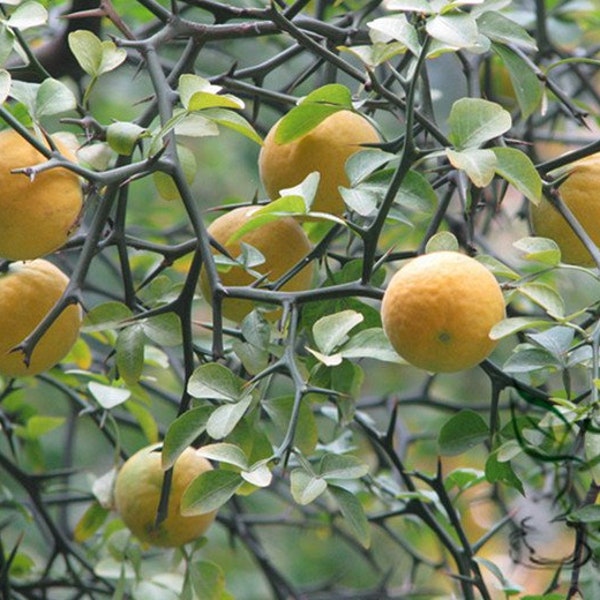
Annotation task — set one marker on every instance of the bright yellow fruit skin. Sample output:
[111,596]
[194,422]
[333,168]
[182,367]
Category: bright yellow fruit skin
[325,149]
[438,310]
[28,291]
[137,494]
[580,193]
[282,242]
[36,217]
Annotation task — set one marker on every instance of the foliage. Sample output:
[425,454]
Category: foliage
[341,472]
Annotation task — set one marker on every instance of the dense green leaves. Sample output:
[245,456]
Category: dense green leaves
[314,108]
[462,432]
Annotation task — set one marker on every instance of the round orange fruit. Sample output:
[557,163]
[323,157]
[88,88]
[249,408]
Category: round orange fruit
[324,149]
[438,311]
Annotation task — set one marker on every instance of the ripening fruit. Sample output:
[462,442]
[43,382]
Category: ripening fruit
[438,311]
[137,494]
[580,193]
[36,216]
[28,291]
[283,244]
[325,149]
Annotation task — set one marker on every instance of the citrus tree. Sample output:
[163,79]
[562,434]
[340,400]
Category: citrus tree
[299,299]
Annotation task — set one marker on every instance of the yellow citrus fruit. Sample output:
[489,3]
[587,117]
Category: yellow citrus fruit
[28,291]
[137,494]
[579,192]
[282,243]
[438,310]
[37,215]
[325,149]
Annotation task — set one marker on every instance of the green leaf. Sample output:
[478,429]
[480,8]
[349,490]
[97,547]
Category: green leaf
[370,343]
[514,325]
[225,453]
[396,28]
[502,472]
[463,478]
[207,579]
[190,84]
[107,396]
[232,120]
[442,241]
[130,353]
[545,296]
[454,30]
[314,108]
[204,100]
[163,329]
[48,98]
[332,93]
[376,53]
[479,165]
[94,56]
[539,249]
[145,419]
[27,15]
[497,267]
[592,454]
[516,167]
[509,588]
[53,97]
[122,136]
[342,466]
[306,487]
[301,120]
[420,6]
[528,359]
[108,315]
[7,40]
[416,194]
[363,163]
[258,474]
[544,597]
[463,431]
[503,30]
[528,88]
[586,514]
[224,418]
[182,432]
[557,340]
[37,426]
[209,491]
[193,125]
[90,522]
[508,450]
[331,331]
[217,382]
[280,411]
[474,122]
[286,205]
[353,513]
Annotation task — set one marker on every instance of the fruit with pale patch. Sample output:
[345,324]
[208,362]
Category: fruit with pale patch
[137,494]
